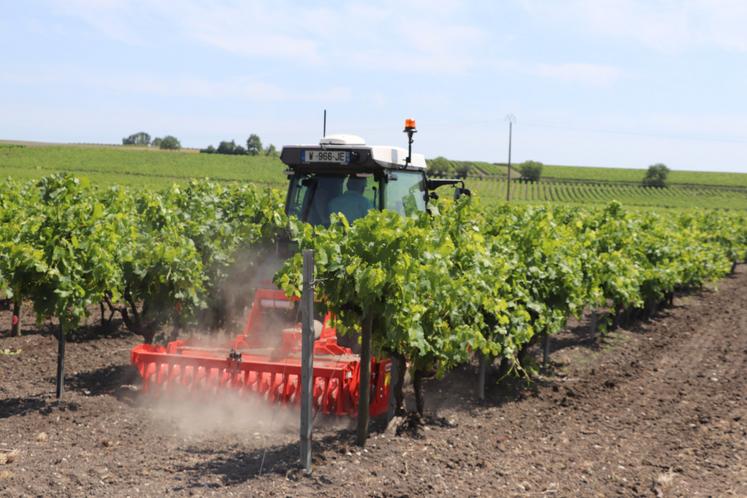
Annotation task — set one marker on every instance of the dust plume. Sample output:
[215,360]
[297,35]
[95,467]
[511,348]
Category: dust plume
[224,414]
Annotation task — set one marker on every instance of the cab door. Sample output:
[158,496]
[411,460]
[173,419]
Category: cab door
[405,192]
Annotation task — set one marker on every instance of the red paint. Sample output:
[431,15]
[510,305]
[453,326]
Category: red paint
[272,372]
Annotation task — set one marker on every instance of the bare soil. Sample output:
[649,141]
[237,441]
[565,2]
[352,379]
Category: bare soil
[659,409]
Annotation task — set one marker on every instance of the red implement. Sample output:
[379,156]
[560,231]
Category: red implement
[265,360]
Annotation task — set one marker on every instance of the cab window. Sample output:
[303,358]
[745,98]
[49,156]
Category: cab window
[405,193]
[313,198]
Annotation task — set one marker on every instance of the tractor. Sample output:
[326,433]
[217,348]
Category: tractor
[340,174]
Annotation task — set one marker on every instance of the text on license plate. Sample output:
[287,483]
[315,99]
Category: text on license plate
[326,156]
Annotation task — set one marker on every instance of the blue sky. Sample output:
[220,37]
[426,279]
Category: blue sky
[604,83]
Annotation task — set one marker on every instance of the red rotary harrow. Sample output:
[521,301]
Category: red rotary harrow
[265,361]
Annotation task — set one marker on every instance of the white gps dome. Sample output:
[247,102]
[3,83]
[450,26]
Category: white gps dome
[342,139]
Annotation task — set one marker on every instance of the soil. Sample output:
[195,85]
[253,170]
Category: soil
[658,409]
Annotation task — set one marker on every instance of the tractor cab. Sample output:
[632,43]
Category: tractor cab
[342,174]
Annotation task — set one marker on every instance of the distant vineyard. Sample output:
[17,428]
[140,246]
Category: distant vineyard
[155,169]
[601,193]
[627,175]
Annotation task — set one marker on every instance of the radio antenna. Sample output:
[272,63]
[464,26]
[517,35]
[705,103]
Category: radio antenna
[324,126]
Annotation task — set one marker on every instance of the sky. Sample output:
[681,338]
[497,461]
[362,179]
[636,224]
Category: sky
[624,83]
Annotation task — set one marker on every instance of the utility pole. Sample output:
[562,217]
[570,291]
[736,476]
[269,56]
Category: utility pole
[511,120]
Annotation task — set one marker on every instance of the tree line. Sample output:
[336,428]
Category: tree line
[531,171]
[440,166]
[253,148]
[143,139]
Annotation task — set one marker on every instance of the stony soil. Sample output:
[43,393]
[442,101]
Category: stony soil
[659,409]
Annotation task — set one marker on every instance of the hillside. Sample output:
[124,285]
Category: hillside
[596,174]
[153,168]
[136,166]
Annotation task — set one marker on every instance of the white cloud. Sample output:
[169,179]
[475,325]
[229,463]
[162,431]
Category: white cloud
[387,35]
[664,25]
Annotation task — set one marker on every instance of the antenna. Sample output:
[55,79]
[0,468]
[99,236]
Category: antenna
[324,126]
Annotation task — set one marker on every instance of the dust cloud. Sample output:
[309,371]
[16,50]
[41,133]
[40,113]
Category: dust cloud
[224,414]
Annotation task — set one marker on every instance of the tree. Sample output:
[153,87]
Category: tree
[208,150]
[156,142]
[656,176]
[170,142]
[271,151]
[253,145]
[139,138]
[239,151]
[226,147]
[531,170]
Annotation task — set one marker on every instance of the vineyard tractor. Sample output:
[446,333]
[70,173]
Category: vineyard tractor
[340,174]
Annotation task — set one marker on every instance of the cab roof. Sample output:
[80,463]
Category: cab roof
[360,154]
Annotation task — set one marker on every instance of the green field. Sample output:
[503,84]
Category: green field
[636,175]
[137,166]
[142,167]
[616,175]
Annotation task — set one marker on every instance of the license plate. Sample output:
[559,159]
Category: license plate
[326,156]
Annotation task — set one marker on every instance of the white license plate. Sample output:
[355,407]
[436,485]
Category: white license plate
[326,156]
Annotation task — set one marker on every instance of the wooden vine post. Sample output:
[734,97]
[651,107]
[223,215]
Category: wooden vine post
[61,362]
[481,374]
[545,351]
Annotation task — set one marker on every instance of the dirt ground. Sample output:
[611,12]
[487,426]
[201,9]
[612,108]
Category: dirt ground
[656,410]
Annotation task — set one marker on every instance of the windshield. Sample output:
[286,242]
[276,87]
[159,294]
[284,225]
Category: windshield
[313,197]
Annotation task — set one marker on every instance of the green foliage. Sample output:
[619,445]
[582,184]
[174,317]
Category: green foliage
[439,286]
[226,147]
[139,138]
[442,286]
[253,145]
[154,257]
[169,143]
[271,151]
[230,148]
[531,170]
[656,176]
[59,254]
